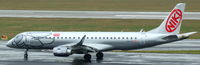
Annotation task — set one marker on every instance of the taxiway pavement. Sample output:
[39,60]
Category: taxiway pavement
[187,44]
[9,56]
[92,14]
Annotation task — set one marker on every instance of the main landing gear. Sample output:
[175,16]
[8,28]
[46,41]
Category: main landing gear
[99,55]
[87,57]
[26,54]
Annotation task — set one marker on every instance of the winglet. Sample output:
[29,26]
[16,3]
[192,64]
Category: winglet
[82,40]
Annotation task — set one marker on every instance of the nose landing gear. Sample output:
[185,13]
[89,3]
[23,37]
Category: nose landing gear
[26,54]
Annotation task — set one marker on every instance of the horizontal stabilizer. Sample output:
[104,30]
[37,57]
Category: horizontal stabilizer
[185,35]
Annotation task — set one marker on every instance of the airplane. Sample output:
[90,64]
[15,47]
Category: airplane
[65,44]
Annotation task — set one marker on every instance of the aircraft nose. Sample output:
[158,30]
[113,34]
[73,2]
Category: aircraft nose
[9,43]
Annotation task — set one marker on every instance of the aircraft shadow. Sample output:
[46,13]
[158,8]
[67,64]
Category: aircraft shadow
[81,61]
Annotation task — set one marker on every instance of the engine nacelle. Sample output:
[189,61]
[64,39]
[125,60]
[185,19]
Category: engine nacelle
[62,51]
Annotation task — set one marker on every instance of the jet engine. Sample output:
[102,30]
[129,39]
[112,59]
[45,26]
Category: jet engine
[62,51]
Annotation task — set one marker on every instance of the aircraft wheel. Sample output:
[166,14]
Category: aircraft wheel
[26,54]
[87,57]
[99,55]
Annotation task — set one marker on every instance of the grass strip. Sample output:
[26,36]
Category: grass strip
[98,5]
[13,26]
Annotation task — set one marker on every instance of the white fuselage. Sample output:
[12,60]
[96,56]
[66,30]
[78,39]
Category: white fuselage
[109,40]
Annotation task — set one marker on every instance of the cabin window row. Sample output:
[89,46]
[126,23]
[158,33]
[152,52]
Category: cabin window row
[93,37]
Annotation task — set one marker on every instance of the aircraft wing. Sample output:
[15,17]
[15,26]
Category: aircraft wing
[87,47]
[80,48]
[99,47]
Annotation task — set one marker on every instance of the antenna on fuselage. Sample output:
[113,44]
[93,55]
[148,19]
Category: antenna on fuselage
[142,30]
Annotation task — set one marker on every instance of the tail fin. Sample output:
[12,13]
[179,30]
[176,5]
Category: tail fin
[172,23]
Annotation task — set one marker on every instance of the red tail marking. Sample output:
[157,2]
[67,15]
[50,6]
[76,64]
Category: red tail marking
[56,34]
[174,20]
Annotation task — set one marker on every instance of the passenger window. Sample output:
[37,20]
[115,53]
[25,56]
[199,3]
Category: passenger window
[103,37]
[87,37]
[78,37]
[114,37]
[99,37]
[118,37]
[122,37]
[91,37]
[126,37]
[107,37]
[74,38]
[95,37]
[110,37]
[65,37]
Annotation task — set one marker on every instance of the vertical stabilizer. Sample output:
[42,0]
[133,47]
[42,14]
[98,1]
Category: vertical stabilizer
[172,23]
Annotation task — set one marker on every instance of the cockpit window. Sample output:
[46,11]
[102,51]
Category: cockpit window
[18,38]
